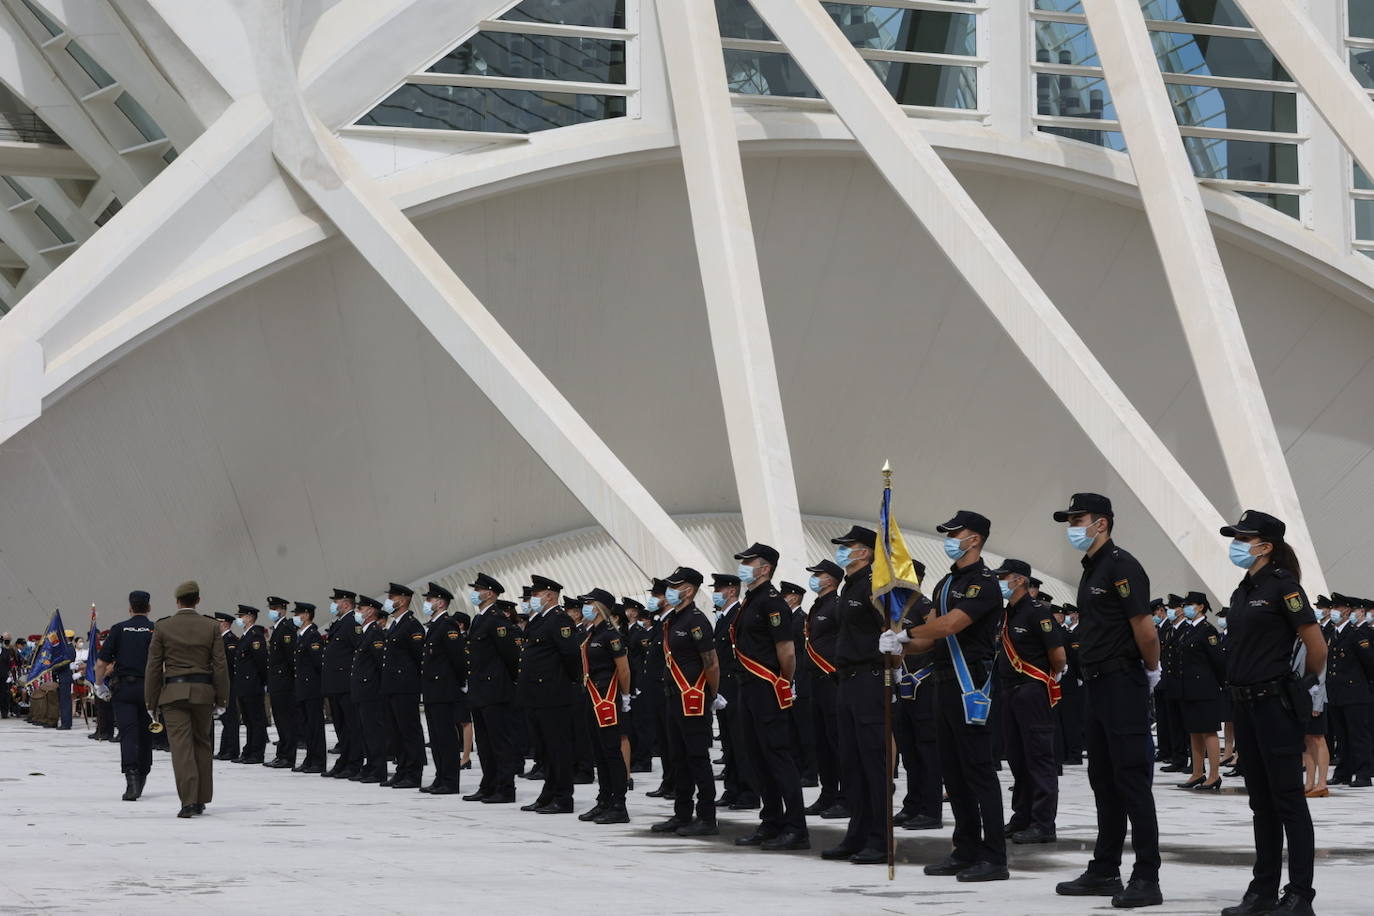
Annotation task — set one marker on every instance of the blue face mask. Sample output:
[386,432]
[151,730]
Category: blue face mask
[333,609]
[746,574]
[273,615]
[240,624]
[1241,555]
[673,596]
[954,548]
[536,603]
[654,603]
[1221,623]
[1079,539]
[718,599]
[358,617]
[842,556]
[1006,589]
[1170,614]
[296,619]
[1336,617]
[1190,611]
[475,598]
[588,613]
[814,584]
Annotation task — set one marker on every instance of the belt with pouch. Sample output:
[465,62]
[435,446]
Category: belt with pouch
[1110,666]
[190,679]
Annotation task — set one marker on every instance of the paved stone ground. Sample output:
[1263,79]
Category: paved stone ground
[283,842]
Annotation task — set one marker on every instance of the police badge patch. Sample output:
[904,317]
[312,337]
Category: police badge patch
[565,632]
[1045,625]
[500,631]
[1212,640]
[1293,601]
[696,633]
[774,619]
[256,644]
[973,591]
[1123,587]
[453,634]
[615,645]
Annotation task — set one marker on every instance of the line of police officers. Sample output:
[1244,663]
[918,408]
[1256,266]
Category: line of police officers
[564,680]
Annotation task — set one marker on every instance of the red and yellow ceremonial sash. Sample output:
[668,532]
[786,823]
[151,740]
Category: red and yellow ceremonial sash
[816,657]
[605,707]
[782,688]
[1026,668]
[693,695]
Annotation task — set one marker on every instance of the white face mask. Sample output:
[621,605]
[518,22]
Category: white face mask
[333,609]
[388,605]
[429,608]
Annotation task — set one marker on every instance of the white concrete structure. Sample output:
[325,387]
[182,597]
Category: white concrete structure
[303,293]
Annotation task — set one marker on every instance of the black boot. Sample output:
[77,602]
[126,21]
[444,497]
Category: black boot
[140,779]
[130,787]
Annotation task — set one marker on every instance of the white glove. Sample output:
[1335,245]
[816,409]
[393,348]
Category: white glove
[719,703]
[1153,675]
[624,704]
[1313,691]
[890,643]
[219,711]
[102,691]
[1059,675]
[465,688]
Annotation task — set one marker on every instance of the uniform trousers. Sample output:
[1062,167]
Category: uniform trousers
[284,717]
[689,749]
[970,777]
[372,731]
[648,710]
[1270,740]
[1029,723]
[64,697]
[344,715]
[556,729]
[859,703]
[405,739]
[1164,740]
[734,770]
[495,751]
[1070,715]
[229,728]
[772,766]
[445,741]
[104,718]
[662,726]
[135,741]
[803,728]
[584,757]
[611,778]
[1182,747]
[311,717]
[254,714]
[1121,771]
[1351,723]
[190,731]
[915,731]
[825,729]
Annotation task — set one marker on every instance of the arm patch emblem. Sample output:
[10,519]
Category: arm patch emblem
[1123,587]
[973,591]
[1046,625]
[1293,601]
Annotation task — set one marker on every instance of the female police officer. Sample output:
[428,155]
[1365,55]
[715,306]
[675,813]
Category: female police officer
[606,677]
[1267,610]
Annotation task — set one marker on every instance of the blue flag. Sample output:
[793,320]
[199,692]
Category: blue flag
[54,651]
[91,653]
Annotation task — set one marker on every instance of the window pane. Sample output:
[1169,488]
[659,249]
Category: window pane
[1362,65]
[929,85]
[1207,12]
[1287,204]
[1364,220]
[1361,180]
[1108,139]
[110,210]
[62,235]
[1073,96]
[1361,19]
[1243,160]
[1060,6]
[603,14]
[138,116]
[511,111]
[86,62]
[1247,58]
[18,188]
[544,57]
[47,21]
[738,20]
[1063,43]
[759,73]
[1238,109]
[905,30]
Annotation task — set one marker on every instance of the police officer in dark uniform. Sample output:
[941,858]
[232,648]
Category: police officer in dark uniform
[818,656]
[967,601]
[761,636]
[1267,612]
[281,683]
[1164,750]
[606,679]
[1029,668]
[401,686]
[444,675]
[549,688]
[229,722]
[1070,708]
[341,644]
[914,729]
[1350,666]
[1202,667]
[365,689]
[123,660]
[655,676]
[309,693]
[250,682]
[738,795]
[803,734]
[639,642]
[1119,647]
[1171,634]
[859,704]
[690,694]
[493,667]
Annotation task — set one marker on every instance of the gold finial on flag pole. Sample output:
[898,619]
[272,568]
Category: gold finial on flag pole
[887,473]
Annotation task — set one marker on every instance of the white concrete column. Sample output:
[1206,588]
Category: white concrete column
[1192,264]
[1327,165]
[728,260]
[1007,29]
[987,263]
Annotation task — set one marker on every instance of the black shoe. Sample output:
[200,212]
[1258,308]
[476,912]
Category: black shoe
[836,812]
[564,807]
[869,857]
[1171,768]
[466,766]
[535,774]
[187,811]
[593,813]
[641,768]
[835,853]
[358,777]
[500,798]
[130,787]
[948,868]
[614,814]
[1208,786]
[1089,885]
[810,782]
[535,805]
[1359,782]
[348,773]
[298,768]
[583,779]
[314,768]
[278,764]
[900,818]
[1192,783]
[1252,904]
[429,788]
[699,827]
[657,793]
[444,790]
[1033,835]
[1234,774]
[923,822]
[788,839]
[479,795]
[411,783]
[256,759]
[139,780]
[200,807]
[671,825]
[1011,827]
[745,803]
[757,838]
[817,806]
[1292,905]
[983,871]
[1138,892]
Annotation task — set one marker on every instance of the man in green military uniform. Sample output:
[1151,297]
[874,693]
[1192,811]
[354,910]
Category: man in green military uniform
[188,678]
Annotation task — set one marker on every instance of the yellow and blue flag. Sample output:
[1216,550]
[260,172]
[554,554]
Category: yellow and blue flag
[54,651]
[895,580]
[91,656]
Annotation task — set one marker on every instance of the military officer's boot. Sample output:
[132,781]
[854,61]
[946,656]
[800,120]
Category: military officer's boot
[130,787]
[139,780]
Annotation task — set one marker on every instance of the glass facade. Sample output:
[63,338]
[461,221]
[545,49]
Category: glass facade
[512,111]
[601,14]
[544,57]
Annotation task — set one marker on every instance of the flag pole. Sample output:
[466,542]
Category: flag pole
[890,754]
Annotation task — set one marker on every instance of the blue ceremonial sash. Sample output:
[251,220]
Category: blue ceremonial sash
[909,681]
[977,701]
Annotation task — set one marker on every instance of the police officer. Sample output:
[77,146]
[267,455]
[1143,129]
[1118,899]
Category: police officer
[761,637]
[443,675]
[860,697]
[690,694]
[1029,669]
[915,731]
[281,683]
[341,643]
[365,689]
[1267,611]
[549,687]
[822,628]
[606,679]
[1119,647]
[1350,667]
[124,661]
[967,601]
[401,686]
[1202,668]
[1070,706]
[1171,633]
[738,795]
[229,722]
[250,681]
[655,679]
[639,642]
[803,734]
[309,688]
[493,666]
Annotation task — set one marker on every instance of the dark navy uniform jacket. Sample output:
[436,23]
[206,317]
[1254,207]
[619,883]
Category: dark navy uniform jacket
[341,642]
[1033,633]
[1171,659]
[231,652]
[603,646]
[250,667]
[1202,661]
[973,590]
[444,660]
[1349,666]
[551,668]
[856,642]
[127,646]
[309,663]
[729,665]
[365,679]
[1112,592]
[688,635]
[763,621]
[1266,610]
[401,667]
[493,659]
[823,628]
[281,658]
